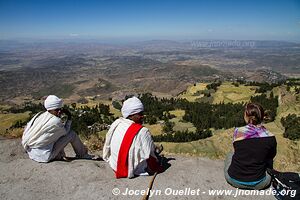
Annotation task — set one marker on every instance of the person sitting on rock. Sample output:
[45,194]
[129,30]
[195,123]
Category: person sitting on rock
[45,135]
[129,148]
[254,151]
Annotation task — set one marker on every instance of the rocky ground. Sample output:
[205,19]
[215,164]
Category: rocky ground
[187,178]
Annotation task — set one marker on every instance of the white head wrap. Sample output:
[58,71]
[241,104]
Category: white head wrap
[132,106]
[52,102]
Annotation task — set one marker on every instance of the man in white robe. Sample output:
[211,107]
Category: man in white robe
[45,135]
[141,155]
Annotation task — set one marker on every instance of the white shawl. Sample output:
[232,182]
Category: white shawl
[42,130]
[141,149]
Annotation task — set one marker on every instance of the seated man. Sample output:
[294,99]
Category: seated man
[45,136]
[129,148]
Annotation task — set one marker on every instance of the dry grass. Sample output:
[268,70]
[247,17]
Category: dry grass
[182,126]
[178,113]
[102,134]
[288,103]
[155,129]
[287,158]
[228,93]
[94,143]
[7,120]
[191,91]
[179,125]
[215,147]
[13,133]
[4,107]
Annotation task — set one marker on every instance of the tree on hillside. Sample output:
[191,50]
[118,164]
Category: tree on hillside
[117,105]
[214,85]
[168,126]
[269,104]
[291,125]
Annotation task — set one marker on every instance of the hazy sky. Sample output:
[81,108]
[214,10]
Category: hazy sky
[151,19]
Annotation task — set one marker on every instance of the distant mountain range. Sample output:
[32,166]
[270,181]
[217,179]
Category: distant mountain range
[89,68]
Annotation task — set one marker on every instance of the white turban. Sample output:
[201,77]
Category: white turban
[132,106]
[52,102]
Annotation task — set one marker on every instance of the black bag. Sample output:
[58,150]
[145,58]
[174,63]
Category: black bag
[286,184]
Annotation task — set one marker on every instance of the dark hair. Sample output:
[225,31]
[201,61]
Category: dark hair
[254,113]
